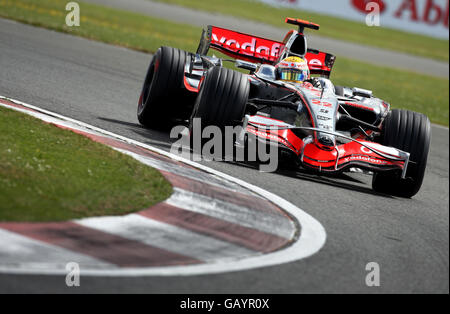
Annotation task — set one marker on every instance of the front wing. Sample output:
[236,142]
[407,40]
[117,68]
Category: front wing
[353,154]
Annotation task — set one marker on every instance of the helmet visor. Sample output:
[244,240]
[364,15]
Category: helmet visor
[293,75]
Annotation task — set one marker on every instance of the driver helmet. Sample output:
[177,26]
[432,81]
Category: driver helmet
[293,69]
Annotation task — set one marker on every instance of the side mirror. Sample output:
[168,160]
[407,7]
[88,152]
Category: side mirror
[246,65]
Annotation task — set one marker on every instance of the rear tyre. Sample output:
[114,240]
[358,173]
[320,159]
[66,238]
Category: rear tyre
[164,98]
[411,132]
[221,101]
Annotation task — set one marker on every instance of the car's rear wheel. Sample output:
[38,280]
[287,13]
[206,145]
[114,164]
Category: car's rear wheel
[411,132]
[221,101]
[164,98]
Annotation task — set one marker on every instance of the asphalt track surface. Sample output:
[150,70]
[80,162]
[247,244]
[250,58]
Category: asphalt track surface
[99,84]
[355,51]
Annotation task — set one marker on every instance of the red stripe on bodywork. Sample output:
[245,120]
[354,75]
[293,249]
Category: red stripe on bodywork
[189,87]
[219,229]
[103,246]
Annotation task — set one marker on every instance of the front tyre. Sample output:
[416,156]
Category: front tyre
[221,102]
[411,132]
[222,98]
[163,97]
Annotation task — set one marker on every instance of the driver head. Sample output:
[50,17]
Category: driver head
[293,69]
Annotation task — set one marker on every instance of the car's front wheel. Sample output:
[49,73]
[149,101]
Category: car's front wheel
[223,98]
[410,132]
[221,101]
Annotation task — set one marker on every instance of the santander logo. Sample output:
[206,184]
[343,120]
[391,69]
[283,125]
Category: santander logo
[315,64]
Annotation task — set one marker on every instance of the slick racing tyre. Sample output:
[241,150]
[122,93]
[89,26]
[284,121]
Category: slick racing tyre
[222,98]
[164,98]
[411,132]
[221,101]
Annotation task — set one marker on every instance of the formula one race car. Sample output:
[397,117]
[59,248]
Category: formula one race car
[326,128]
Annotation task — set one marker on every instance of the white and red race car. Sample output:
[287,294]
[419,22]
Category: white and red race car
[326,128]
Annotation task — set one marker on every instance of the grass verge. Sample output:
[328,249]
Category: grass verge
[51,174]
[401,88]
[103,24]
[330,26]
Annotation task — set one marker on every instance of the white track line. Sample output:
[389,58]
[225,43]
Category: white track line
[167,237]
[311,240]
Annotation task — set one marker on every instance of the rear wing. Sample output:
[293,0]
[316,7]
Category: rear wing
[258,50]
[239,45]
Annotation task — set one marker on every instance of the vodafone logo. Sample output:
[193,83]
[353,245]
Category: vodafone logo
[361,5]
[246,45]
[366,159]
[365,150]
[315,64]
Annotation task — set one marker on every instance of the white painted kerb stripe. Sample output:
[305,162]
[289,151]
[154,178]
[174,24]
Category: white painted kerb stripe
[167,237]
[259,220]
[16,248]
